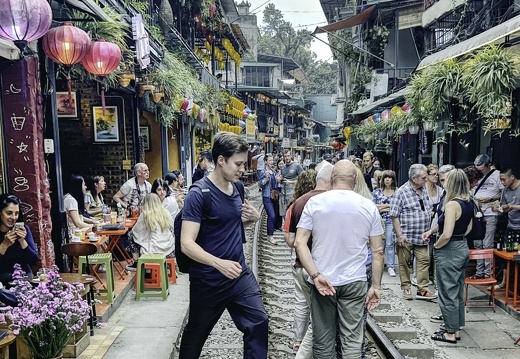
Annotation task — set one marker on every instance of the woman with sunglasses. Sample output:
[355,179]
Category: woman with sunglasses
[16,240]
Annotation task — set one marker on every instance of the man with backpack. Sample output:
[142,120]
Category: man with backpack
[488,191]
[219,276]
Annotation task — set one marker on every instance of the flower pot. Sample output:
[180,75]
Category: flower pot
[381,134]
[401,130]
[157,96]
[125,78]
[143,88]
[414,129]
[428,125]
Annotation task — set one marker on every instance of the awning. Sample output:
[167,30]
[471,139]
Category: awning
[357,19]
[396,96]
[9,50]
[492,35]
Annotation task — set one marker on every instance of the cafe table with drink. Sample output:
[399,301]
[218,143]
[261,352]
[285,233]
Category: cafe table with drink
[117,226]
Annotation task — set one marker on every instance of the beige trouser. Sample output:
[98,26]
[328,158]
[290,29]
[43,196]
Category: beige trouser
[422,257]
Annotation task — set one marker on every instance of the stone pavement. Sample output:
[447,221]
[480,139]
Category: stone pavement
[148,328]
[487,334]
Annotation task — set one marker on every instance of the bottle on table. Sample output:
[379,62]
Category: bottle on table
[510,243]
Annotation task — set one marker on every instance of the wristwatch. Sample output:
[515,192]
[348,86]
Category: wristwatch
[313,276]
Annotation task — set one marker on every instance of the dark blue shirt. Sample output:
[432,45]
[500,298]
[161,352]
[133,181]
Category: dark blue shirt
[15,254]
[222,230]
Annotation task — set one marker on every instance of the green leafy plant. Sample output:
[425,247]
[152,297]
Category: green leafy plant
[489,77]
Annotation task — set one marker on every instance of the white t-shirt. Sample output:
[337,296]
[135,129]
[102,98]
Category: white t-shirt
[341,222]
[171,205]
[133,196]
[490,188]
[70,204]
[153,242]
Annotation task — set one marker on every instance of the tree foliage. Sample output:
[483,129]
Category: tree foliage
[279,38]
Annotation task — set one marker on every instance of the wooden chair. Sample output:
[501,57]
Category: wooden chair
[78,250]
[481,254]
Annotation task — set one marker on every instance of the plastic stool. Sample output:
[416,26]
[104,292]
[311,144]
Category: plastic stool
[172,273]
[108,293]
[141,291]
[155,280]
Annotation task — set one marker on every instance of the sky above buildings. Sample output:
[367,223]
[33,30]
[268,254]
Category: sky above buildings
[301,13]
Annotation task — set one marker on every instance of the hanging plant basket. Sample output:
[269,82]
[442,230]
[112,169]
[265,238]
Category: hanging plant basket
[390,133]
[381,134]
[413,129]
[401,130]
[428,125]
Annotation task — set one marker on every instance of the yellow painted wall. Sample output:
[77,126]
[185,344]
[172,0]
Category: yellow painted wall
[153,157]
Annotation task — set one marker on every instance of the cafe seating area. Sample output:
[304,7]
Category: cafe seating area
[507,298]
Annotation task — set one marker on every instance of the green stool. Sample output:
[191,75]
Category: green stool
[141,291]
[108,293]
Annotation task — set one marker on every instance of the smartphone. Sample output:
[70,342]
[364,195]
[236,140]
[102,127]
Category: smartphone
[18,225]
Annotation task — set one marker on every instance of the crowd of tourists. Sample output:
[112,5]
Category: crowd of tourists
[338,268]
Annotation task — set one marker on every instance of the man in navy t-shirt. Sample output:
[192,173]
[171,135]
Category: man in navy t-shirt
[220,278]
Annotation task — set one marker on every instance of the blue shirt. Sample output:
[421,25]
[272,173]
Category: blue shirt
[222,230]
[267,186]
[15,254]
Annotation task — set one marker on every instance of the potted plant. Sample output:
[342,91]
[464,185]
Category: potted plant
[48,315]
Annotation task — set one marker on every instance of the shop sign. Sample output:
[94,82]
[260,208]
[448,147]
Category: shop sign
[250,129]
[286,143]
[261,136]
[276,130]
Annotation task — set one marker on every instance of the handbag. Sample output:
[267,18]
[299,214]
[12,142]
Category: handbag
[275,194]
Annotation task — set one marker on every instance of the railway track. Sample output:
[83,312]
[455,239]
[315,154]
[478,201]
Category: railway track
[272,266]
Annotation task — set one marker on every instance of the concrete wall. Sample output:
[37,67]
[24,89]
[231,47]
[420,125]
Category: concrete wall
[408,56]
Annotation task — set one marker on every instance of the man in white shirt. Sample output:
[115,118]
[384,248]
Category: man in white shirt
[337,263]
[133,191]
[488,190]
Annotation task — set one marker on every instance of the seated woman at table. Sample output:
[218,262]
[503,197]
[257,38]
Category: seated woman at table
[153,231]
[93,198]
[16,241]
[160,187]
[177,191]
[74,204]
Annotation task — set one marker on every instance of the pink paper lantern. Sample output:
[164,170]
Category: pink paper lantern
[22,21]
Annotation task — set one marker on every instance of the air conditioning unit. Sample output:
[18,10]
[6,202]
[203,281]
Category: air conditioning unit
[336,100]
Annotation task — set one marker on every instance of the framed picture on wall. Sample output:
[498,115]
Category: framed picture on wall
[106,127]
[144,137]
[67,107]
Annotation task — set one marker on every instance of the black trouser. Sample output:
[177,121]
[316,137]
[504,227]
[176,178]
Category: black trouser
[244,303]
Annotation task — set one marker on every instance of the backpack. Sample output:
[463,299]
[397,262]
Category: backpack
[183,261]
[478,229]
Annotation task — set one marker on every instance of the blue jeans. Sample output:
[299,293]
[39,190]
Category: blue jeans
[389,244]
[271,214]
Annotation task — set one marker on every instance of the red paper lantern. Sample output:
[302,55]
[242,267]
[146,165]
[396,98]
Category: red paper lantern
[66,45]
[103,58]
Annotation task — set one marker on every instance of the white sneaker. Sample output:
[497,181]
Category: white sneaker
[391,272]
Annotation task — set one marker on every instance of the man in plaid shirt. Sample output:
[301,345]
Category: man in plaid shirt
[411,217]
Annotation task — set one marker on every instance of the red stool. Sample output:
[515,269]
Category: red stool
[172,273]
[155,279]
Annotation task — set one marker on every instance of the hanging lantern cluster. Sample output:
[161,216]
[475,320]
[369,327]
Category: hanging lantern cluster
[69,45]
[22,21]
[230,49]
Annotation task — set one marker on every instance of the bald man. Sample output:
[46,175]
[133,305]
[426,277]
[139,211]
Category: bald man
[342,224]
[133,191]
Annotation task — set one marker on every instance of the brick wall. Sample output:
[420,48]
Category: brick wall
[80,155]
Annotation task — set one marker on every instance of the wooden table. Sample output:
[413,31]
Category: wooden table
[5,343]
[508,256]
[113,243]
